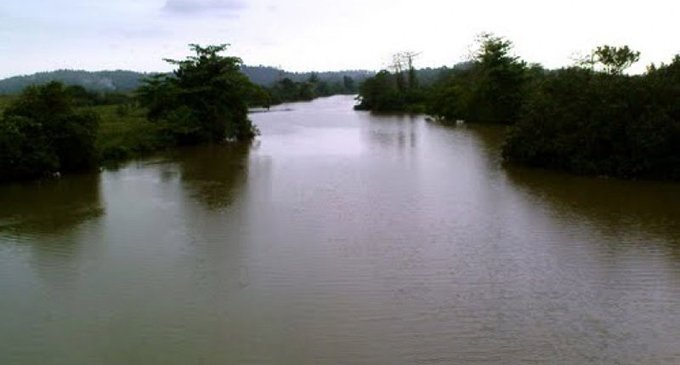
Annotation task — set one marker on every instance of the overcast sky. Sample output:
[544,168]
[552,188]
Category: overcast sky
[301,35]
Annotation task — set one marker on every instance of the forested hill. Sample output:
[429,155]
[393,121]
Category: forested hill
[124,81]
[118,80]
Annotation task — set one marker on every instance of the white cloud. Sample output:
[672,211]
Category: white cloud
[301,35]
[198,6]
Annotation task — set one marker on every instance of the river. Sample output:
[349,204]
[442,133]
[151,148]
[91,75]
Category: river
[339,237]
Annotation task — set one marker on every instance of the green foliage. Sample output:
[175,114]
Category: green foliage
[380,93]
[41,133]
[602,124]
[399,90]
[204,100]
[450,99]
[288,90]
[258,96]
[83,97]
[282,87]
[615,59]
[488,90]
[24,149]
[132,135]
[5,101]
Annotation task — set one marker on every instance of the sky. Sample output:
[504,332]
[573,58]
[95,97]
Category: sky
[321,35]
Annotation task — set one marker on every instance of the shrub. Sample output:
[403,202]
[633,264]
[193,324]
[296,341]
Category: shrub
[41,133]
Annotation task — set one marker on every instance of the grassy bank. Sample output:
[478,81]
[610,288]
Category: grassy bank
[126,134]
[124,131]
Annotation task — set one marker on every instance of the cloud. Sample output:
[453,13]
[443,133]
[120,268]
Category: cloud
[204,6]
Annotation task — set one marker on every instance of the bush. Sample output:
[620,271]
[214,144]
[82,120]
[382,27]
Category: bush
[596,123]
[41,133]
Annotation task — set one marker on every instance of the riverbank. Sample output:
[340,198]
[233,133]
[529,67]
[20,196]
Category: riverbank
[121,137]
[125,132]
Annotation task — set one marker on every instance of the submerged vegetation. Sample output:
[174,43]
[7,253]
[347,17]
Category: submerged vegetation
[590,118]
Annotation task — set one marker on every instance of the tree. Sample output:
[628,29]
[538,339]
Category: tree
[398,69]
[204,100]
[403,61]
[380,93]
[42,133]
[493,85]
[408,57]
[615,60]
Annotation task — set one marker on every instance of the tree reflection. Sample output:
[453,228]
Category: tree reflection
[214,173]
[47,217]
[49,207]
[615,207]
[388,130]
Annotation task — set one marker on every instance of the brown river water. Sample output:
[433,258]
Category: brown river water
[339,237]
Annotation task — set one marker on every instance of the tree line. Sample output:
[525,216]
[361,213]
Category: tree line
[589,118]
[287,90]
[45,130]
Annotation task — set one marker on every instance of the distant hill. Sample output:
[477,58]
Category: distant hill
[125,81]
[121,81]
[267,76]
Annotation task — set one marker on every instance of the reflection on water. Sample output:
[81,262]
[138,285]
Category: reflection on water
[45,220]
[49,206]
[339,237]
[214,173]
[645,213]
[394,130]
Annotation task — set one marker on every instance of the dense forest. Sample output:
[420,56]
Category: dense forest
[590,118]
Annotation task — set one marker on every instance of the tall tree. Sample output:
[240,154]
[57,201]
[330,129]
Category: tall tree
[499,80]
[204,100]
[408,58]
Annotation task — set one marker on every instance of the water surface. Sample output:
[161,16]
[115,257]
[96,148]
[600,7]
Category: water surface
[339,237]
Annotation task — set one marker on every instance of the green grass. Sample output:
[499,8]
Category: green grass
[125,132]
